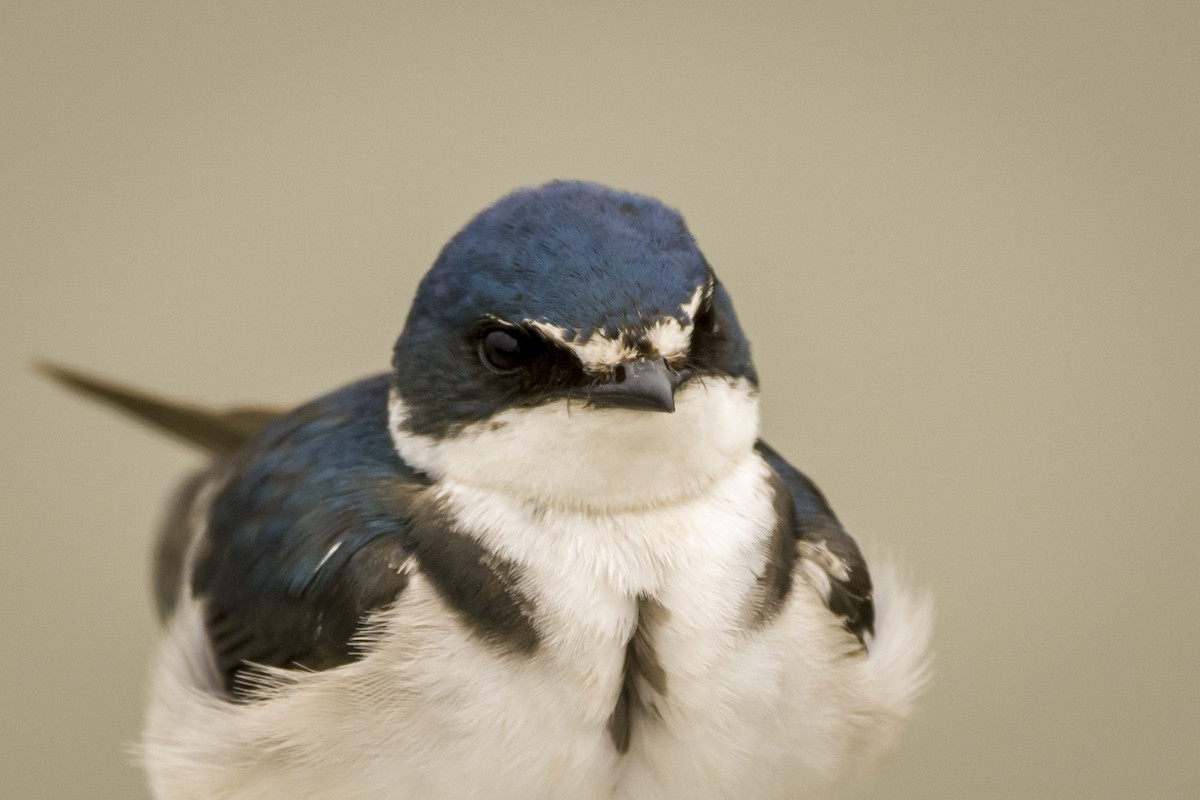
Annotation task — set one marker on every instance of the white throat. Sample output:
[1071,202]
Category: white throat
[568,454]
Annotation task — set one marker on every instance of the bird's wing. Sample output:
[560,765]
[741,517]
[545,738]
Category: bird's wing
[825,551]
[316,524]
[218,431]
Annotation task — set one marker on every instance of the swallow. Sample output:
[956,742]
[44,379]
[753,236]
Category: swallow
[544,555]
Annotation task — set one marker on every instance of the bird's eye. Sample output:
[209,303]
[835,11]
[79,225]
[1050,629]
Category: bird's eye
[501,350]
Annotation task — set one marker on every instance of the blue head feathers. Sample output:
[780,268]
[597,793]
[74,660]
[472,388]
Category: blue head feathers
[576,255]
[559,264]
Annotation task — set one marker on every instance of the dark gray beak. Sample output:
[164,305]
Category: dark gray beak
[644,383]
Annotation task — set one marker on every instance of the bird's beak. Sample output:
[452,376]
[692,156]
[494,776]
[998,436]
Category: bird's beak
[645,384]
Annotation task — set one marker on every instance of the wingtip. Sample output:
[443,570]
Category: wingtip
[213,430]
[47,368]
[70,377]
[59,373]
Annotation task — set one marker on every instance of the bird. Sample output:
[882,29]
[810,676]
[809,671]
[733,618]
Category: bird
[545,554]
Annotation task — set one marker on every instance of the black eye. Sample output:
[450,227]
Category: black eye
[501,350]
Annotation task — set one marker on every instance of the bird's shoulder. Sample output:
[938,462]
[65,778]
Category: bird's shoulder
[823,549]
[315,524]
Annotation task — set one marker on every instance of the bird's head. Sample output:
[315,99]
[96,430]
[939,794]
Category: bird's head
[572,346]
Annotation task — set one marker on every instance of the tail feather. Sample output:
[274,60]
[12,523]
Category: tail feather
[217,431]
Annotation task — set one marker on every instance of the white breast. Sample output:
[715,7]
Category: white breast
[767,712]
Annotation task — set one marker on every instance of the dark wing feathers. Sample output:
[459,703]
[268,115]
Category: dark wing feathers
[178,528]
[822,541]
[317,524]
[300,544]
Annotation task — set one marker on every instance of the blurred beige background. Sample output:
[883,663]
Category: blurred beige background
[963,237]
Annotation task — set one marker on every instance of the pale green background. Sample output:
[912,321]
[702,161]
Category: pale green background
[963,237]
